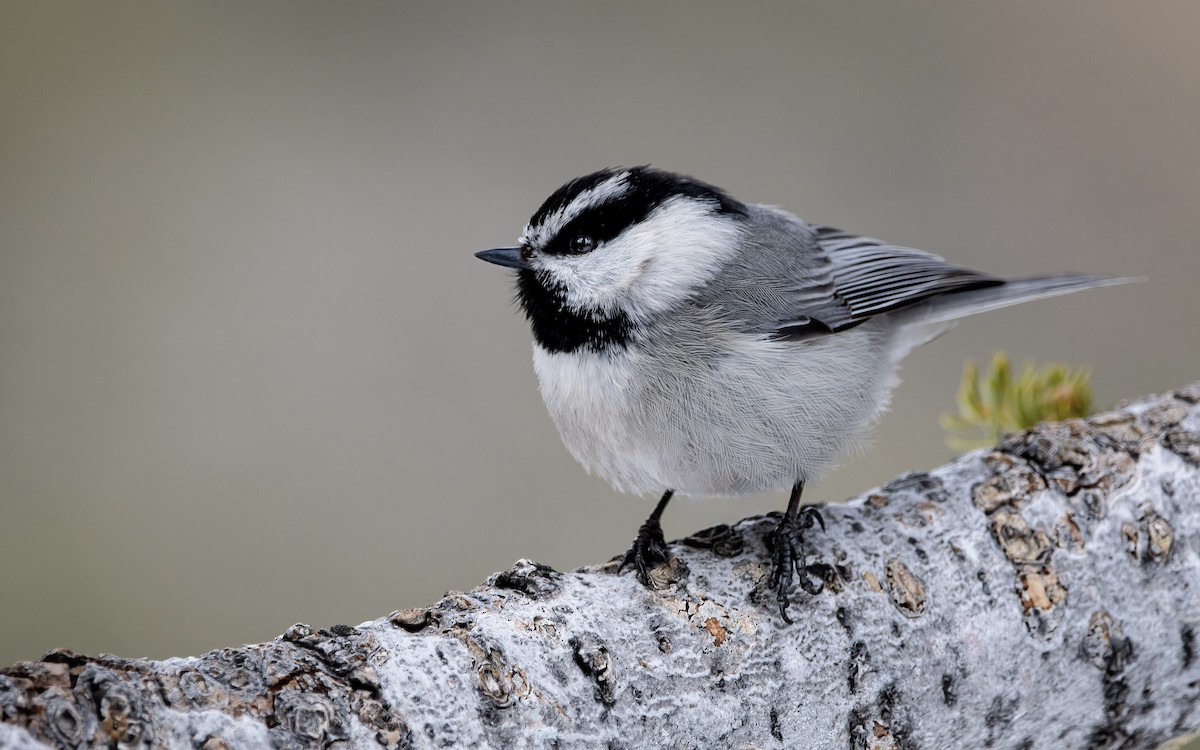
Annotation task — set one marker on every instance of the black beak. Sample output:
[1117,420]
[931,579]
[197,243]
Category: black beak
[509,257]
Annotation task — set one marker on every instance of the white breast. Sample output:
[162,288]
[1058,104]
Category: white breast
[595,404]
[756,417]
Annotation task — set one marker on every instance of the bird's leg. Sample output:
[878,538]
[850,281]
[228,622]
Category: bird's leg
[649,549]
[787,550]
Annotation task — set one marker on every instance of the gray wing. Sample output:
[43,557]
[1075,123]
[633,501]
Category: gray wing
[852,279]
[793,281]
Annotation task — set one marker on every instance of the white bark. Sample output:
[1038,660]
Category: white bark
[1042,595]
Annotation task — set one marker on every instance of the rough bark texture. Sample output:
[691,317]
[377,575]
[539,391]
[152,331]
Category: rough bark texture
[1040,595]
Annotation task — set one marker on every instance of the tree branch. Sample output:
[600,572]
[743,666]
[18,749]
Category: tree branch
[1043,594]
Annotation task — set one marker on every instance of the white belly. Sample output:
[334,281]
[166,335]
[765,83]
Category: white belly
[758,418]
[595,405]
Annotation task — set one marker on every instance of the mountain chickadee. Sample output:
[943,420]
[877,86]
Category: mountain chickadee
[687,342]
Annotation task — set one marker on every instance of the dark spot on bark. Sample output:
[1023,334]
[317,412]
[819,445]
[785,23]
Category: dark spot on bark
[949,697]
[664,643]
[921,554]
[895,629]
[1114,728]
[740,683]
[1026,744]
[920,483]
[529,578]
[558,672]
[64,656]
[843,618]
[412,620]
[983,583]
[1093,503]
[1184,444]
[776,732]
[856,728]
[1189,393]
[1188,636]
[723,540]
[591,656]
[489,713]
[868,724]
[859,664]
[999,716]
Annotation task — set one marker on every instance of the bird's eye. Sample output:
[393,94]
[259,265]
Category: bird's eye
[582,243]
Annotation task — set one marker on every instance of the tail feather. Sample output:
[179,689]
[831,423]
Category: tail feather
[953,305]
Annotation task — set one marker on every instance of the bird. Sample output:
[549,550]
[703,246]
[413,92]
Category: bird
[688,343]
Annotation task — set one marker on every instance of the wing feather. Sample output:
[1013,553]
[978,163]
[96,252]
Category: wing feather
[869,277]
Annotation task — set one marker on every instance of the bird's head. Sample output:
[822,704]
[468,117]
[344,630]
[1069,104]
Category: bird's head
[611,250]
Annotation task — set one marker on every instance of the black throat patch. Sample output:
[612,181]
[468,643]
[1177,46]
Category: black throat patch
[558,328]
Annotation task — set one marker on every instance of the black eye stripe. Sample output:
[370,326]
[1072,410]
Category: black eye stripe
[602,224]
[646,190]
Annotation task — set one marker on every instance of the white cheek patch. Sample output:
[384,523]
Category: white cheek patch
[608,190]
[653,265]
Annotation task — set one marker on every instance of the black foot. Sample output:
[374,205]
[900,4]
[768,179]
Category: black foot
[649,550]
[787,557]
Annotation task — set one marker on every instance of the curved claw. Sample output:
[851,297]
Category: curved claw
[784,603]
[809,514]
[817,571]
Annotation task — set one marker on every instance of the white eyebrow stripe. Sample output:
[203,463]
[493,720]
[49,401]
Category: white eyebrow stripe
[611,188]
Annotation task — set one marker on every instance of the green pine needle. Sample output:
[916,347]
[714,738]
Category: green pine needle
[993,403]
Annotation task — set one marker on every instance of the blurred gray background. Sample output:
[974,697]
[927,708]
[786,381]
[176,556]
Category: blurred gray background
[251,374]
